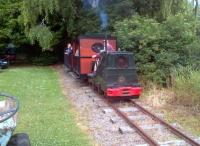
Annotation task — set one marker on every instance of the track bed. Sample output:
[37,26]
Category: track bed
[107,128]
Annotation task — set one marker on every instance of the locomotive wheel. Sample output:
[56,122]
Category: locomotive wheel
[20,139]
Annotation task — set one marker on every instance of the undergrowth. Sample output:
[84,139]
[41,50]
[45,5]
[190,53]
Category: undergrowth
[186,85]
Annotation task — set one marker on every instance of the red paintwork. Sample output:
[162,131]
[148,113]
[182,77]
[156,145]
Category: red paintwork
[124,91]
[82,64]
[85,50]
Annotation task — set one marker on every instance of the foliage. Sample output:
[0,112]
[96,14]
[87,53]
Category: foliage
[186,85]
[47,21]
[46,58]
[140,35]
[193,51]
[88,19]
[44,113]
[160,9]
[158,46]
[118,10]
[173,7]
[11,29]
[59,20]
[42,35]
[181,31]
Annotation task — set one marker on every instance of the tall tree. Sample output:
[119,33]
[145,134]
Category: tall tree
[159,9]
[47,21]
[10,28]
[90,19]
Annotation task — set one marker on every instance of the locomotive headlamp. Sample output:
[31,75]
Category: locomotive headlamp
[121,79]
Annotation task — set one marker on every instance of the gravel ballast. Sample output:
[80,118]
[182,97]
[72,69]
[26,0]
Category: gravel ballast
[103,125]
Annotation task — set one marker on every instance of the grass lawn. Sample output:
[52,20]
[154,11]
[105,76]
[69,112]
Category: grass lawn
[44,112]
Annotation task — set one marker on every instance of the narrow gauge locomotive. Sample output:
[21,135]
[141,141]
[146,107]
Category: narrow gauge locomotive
[110,71]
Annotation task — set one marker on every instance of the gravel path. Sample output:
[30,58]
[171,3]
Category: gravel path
[94,116]
[90,114]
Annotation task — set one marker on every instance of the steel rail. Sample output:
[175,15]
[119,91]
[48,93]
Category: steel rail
[172,129]
[145,136]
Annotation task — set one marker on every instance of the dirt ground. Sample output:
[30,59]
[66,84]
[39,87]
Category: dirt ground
[162,100]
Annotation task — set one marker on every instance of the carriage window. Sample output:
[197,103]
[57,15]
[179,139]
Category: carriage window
[97,47]
[121,62]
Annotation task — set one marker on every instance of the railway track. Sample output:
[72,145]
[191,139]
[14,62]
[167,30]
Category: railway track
[148,139]
[140,130]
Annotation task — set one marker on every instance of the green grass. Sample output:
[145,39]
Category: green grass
[186,85]
[44,112]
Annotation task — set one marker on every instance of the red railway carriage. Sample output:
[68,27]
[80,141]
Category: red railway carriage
[84,47]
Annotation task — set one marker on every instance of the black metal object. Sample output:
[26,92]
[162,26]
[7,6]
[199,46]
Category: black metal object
[11,112]
[111,72]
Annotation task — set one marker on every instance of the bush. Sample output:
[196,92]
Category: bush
[141,36]
[193,51]
[186,85]
[46,58]
[158,47]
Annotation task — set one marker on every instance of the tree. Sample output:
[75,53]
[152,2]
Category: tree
[89,18]
[159,9]
[158,47]
[11,30]
[196,4]
[48,21]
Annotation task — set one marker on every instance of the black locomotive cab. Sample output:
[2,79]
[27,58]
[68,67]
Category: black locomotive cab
[116,75]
